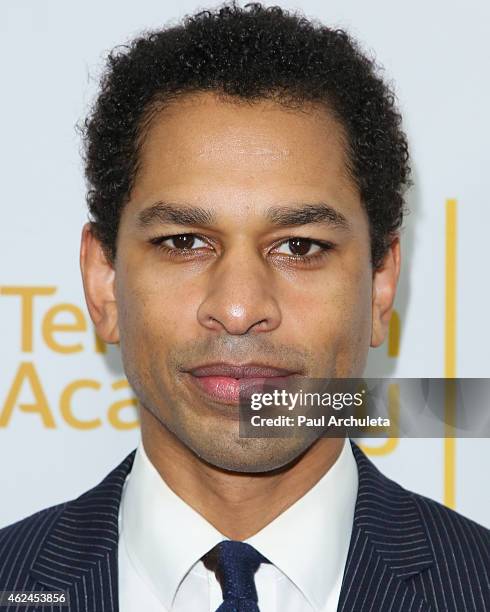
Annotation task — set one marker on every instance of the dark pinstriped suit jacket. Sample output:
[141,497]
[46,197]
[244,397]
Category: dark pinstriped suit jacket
[407,552]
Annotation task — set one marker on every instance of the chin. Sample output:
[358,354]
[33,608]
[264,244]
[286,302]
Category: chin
[252,455]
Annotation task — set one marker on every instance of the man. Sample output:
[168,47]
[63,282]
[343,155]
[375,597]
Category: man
[246,175]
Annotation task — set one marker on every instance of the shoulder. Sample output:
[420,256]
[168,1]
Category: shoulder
[459,545]
[417,526]
[20,544]
[451,533]
[26,537]
[26,529]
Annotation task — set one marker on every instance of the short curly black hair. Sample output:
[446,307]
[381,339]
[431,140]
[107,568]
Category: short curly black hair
[251,53]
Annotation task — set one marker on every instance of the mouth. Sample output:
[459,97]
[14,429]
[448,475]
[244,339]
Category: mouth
[227,383]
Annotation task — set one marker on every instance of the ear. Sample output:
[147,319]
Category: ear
[98,283]
[385,280]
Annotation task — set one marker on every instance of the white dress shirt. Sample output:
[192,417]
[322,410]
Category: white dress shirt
[162,539]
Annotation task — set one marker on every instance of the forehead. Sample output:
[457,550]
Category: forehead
[205,146]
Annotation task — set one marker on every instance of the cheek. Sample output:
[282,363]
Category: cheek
[334,314]
[154,308]
[354,326]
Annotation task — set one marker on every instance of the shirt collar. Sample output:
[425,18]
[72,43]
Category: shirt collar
[165,537]
[309,542]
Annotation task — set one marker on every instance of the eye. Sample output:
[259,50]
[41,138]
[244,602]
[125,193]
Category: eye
[180,242]
[301,247]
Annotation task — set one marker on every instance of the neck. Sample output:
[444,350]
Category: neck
[236,504]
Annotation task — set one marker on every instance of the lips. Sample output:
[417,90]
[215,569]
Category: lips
[225,382]
[239,371]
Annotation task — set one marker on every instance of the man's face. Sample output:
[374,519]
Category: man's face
[244,243]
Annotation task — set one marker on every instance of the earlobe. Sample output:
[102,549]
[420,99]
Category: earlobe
[385,280]
[98,276]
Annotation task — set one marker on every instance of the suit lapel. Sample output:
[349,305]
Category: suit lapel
[79,553]
[388,546]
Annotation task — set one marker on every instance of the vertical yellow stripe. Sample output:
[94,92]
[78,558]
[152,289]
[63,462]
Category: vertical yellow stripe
[450,353]
[394,335]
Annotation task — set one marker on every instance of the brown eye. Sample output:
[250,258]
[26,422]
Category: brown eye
[299,247]
[180,242]
[183,241]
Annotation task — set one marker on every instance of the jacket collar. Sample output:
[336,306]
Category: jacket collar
[388,534]
[85,532]
[388,515]
[389,545]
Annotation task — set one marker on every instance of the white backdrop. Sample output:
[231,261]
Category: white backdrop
[65,413]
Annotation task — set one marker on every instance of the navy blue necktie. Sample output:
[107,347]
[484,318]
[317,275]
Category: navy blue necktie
[235,564]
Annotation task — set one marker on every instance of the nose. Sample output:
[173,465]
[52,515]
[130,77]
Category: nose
[240,298]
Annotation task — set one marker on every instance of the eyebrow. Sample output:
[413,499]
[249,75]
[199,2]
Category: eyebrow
[280,216]
[305,214]
[162,212]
